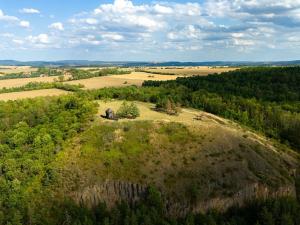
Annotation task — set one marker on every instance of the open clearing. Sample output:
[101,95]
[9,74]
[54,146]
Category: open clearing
[188,71]
[191,117]
[135,78]
[147,112]
[16,69]
[31,94]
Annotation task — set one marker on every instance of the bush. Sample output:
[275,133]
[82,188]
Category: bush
[129,111]
[168,106]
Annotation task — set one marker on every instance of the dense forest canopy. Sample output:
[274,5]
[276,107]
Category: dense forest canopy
[31,133]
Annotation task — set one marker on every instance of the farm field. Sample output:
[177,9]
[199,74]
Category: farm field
[16,69]
[188,71]
[10,83]
[135,78]
[106,81]
[31,94]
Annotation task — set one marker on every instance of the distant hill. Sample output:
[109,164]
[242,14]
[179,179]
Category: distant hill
[133,63]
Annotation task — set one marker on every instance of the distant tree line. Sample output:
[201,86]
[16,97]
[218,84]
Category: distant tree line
[43,85]
[79,74]
[41,71]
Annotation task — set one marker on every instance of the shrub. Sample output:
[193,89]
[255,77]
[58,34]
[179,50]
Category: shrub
[168,106]
[129,111]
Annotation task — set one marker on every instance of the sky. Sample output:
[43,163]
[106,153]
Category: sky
[145,30]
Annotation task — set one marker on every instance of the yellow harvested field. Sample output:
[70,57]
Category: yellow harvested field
[107,81]
[146,76]
[16,69]
[135,78]
[23,81]
[31,94]
[188,71]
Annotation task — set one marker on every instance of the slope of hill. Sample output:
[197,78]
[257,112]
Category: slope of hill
[196,164]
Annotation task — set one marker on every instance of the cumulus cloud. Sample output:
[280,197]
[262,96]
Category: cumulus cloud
[39,39]
[7,18]
[24,24]
[29,11]
[57,26]
[218,25]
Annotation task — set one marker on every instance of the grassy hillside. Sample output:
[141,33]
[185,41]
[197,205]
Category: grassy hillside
[198,164]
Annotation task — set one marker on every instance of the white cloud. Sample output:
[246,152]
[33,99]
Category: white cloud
[12,20]
[91,21]
[163,9]
[113,37]
[57,26]
[29,11]
[24,24]
[7,18]
[221,25]
[39,39]
[17,41]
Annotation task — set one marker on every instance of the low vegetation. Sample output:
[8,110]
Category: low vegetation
[168,106]
[128,111]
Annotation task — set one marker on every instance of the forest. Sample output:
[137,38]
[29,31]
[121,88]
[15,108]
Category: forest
[32,132]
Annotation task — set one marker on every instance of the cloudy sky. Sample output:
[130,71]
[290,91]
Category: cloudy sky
[139,30]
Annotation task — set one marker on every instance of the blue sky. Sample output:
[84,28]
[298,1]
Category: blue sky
[139,30]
